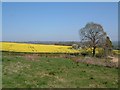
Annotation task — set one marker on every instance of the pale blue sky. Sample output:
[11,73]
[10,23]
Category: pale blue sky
[0,21]
[56,21]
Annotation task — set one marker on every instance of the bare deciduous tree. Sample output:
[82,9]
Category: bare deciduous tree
[93,35]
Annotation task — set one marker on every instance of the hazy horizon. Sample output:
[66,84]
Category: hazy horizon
[56,21]
[45,41]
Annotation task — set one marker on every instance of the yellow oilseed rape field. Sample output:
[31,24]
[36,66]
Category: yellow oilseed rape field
[37,48]
[116,52]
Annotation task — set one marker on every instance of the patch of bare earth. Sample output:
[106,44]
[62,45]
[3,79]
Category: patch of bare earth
[114,59]
[111,62]
[32,57]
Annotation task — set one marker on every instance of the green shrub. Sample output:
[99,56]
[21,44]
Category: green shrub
[84,53]
[75,46]
[100,54]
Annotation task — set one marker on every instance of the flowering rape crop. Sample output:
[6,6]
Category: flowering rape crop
[116,52]
[37,48]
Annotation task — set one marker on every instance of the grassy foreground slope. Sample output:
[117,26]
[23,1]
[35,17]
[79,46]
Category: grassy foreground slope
[34,71]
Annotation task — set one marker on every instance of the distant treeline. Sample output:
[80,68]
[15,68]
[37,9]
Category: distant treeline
[116,45]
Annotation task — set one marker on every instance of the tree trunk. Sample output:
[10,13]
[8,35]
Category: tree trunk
[94,51]
[105,52]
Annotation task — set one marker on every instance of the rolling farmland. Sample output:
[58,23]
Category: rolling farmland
[36,70]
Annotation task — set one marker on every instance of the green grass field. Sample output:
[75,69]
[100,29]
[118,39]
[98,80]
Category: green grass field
[34,71]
